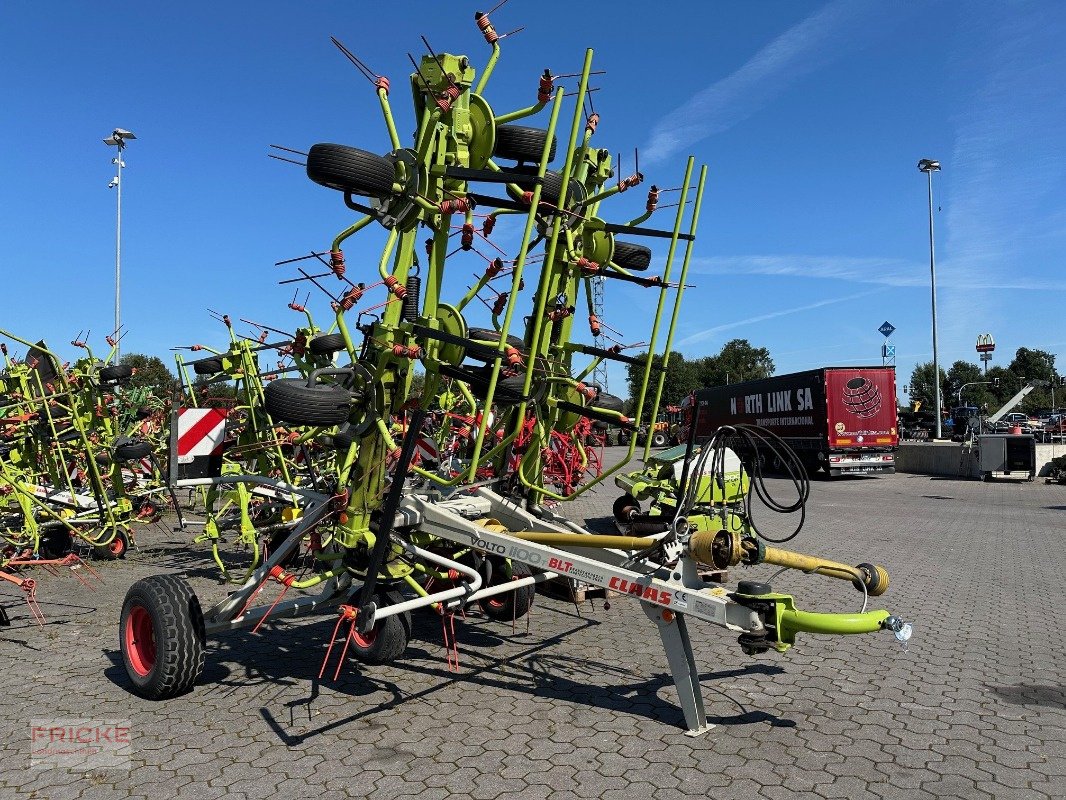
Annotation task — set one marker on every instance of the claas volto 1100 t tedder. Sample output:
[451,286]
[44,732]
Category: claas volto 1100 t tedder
[370,534]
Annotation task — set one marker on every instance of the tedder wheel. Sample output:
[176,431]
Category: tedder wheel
[55,543]
[608,402]
[522,143]
[348,169]
[161,636]
[292,400]
[207,366]
[493,337]
[509,605]
[116,372]
[623,506]
[631,256]
[388,639]
[508,390]
[326,344]
[116,548]
[132,449]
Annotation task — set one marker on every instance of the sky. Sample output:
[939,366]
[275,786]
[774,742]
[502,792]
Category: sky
[811,118]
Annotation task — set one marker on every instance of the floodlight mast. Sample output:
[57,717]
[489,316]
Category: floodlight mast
[117,139]
[929,166]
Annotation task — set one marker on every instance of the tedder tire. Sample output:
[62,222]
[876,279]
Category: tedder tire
[508,390]
[522,143]
[326,344]
[132,450]
[387,640]
[348,169]
[509,605]
[292,400]
[116,548]
[493,337]
[116,372]
[207,366]
[631,256]
[161,636]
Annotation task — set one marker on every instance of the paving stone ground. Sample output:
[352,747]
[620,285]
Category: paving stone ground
[582,705]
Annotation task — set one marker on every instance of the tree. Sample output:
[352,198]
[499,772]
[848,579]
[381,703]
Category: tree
[681,379]
[923,383]
[736,362]
[150,371]
[1029,365]
[962,373]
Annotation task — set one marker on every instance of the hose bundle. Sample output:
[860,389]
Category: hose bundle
[747,441]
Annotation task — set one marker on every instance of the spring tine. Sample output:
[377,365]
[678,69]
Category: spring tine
[359,65]
[329,649]
[344,651]
[496,7]
[291,161]
[290,150]
[298,258]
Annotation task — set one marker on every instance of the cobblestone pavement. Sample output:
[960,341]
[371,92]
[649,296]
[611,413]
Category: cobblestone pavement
[582,704]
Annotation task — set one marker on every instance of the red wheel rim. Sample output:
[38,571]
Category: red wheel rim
[367,640]
[140,640]
[495,602]
[117,546]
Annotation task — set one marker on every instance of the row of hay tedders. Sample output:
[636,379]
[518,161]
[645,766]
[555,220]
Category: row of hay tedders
[77,466]
[330,483]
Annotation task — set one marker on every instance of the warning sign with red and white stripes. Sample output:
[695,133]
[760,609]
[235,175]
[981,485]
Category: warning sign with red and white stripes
[196,438]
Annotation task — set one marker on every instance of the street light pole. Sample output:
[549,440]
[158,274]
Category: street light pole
[928,166]
[117,139]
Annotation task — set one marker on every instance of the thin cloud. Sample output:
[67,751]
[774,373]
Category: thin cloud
[709,332]
[895,272]
[804,48]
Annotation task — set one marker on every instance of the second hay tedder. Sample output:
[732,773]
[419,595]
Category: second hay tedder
[371,522]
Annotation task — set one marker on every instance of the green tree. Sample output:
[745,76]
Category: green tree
[1039,365]
[681,379]
[962,373]
[150,371]
[736,362]
[922,387]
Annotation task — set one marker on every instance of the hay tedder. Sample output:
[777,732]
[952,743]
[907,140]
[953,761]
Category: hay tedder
[74,474]
[350,493]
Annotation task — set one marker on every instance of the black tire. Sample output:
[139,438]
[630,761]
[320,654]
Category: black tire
[132,449]
[326,344]
[493,337]
[658,439]
[343,439]
[508,390]
[162,637]
[55,543]
[522,143]
[115,549]
[349,169]
[385,642]
[207,366]
[116,372]
[292,400]
[608,402]
[509,605]
[634,257]
[622,507]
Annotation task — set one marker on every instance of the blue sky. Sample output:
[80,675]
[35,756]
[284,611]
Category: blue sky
[811,117]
